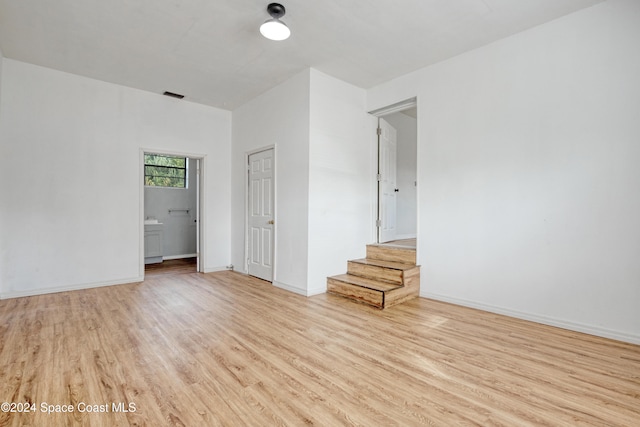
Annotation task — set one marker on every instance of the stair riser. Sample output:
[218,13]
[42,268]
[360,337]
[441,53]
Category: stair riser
[374,272]
[386,253]
[358,293]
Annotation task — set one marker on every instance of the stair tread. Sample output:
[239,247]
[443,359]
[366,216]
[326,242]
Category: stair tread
[393,247]
[366,283]
[386,264]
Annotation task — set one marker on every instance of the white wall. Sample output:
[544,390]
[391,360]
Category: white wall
[280,118]
[528,177]
[179,226]
[73,218]
[341,178]
[2,215]
[1,60]
[318,126]
[406,208]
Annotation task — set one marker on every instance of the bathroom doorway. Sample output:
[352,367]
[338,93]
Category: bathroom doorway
[171,206]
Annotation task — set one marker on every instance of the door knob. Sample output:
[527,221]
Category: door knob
[271,222]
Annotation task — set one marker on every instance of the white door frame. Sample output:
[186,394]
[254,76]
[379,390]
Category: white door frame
[380,112]
[200,203]
[246,207]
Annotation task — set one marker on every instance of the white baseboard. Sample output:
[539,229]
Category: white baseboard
[214,269]
[317,291]
[286,287]
[290,288]
[545,320]
[32,292]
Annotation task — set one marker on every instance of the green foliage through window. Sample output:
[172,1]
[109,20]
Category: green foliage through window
[165,171]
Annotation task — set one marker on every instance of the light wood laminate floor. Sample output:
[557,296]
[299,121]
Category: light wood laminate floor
[174,266]
[226,349]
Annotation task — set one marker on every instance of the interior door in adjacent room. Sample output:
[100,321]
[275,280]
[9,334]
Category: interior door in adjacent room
[260,233]
[387,175]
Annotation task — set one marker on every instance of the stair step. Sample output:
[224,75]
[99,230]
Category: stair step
[376,285]
[372,292]
[383,252]
[386,277]
[339,286]
[389,271]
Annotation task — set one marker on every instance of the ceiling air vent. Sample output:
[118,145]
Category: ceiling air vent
[173,95]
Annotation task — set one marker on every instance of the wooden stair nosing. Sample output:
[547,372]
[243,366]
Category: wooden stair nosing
[376,285]
[393,265]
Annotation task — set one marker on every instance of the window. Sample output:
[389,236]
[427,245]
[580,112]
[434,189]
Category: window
[165,171]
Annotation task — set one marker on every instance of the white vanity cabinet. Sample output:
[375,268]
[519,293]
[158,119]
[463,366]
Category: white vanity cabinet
[153,237]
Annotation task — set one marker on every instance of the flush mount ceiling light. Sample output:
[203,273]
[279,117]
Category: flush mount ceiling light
[274,29]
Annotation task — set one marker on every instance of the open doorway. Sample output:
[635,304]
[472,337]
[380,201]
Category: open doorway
[172,187]
[397,174]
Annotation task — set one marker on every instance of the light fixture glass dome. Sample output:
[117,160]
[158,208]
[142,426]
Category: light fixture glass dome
[274,29]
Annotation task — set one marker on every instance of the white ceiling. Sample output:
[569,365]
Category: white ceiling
[212,52]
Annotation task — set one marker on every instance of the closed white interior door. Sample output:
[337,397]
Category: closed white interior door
[260,231]
[387,186]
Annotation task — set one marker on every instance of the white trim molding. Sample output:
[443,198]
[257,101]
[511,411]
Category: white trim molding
[214,269]
[545,320]
[290,288]
[33,292]
[394,108]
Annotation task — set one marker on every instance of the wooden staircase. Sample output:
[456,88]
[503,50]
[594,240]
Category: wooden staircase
[386,277]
